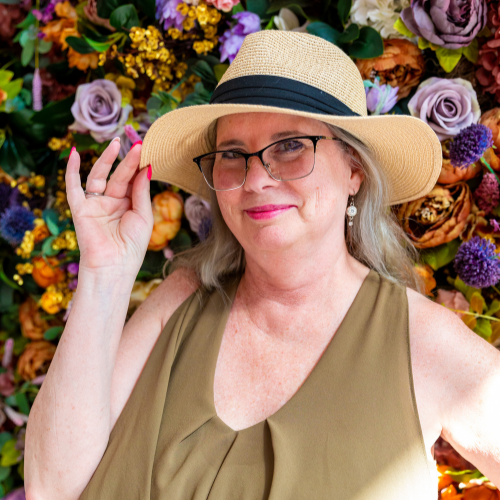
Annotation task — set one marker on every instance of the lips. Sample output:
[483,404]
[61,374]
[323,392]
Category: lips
[267,211]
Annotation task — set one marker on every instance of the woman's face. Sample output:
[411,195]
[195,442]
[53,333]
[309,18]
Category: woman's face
[267,215]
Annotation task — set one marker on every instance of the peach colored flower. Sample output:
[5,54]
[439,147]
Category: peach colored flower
[32,325]
[427,274]
[452,299]
[82,61]
[167,213]
[224,5]
[47,274]
[450,174]
[35,359]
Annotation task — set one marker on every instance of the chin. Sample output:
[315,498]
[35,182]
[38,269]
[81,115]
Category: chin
[270,237]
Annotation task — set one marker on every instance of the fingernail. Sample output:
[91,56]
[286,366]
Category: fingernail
[150,171]
[71,152]
[135,144]
[115,139]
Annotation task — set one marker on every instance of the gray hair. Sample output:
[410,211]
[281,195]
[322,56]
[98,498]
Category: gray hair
[376,239]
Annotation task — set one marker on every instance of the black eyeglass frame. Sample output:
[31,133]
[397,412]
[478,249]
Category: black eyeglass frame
[313,138]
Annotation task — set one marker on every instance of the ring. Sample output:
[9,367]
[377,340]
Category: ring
[93,194]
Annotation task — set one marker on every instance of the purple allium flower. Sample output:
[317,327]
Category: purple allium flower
[72,268]
[14,222]
[232,39]
[167,13]
[380,98]
[37,91]
[477,264]
[470,144]
[488,193]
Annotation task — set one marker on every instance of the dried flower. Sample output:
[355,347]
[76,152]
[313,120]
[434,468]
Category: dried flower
[35,359]
[32,324]
[447,105]
[380,98]
[469,145]
[450,174]
[401,65]
[14,222]
[477,263]
[140,291]
[487,194]
[167,213]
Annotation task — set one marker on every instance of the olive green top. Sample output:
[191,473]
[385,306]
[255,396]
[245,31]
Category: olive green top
[351,431]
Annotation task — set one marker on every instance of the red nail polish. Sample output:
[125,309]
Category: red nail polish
[135,144]
[71,152]
[150,171]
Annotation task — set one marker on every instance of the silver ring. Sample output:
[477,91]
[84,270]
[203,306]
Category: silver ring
[93,194]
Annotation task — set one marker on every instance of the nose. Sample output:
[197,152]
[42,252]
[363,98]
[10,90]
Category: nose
[257,176]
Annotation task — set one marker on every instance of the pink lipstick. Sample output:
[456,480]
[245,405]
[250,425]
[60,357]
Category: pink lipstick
[267,211]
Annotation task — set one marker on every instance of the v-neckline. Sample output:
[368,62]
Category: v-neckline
[220,333]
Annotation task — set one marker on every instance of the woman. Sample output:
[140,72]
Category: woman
[291,355]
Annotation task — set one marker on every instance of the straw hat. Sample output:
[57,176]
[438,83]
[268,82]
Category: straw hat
[300,74]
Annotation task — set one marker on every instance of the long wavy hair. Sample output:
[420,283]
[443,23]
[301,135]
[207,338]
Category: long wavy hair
[376,239]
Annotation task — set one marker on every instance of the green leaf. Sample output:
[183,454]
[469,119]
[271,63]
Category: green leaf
[423,43]
[483,328]
[219,70]
[494,308]
[324,31]
[98,46]
[441,255]
[22,403]
[47,246]
[13,88]
[181,242]
[368,45]
[471,52]
[51,218]
[350,34]
[4,437]
[57,111]
[477,303]
[53,333]
[27,53]
[343,10]
[27,21]
[276,5]
[79,45]
[466,290]
[448,58]
[124,17]
[4,473]
[5,77]
[237,8]
[10,455]
[270,24]
[400,26]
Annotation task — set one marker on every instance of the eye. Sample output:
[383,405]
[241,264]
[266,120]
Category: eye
[231,155]
[289,146]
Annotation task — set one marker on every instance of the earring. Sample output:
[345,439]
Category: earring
[351,211]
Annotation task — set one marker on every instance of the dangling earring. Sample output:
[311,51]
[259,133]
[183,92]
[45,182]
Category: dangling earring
[351,211]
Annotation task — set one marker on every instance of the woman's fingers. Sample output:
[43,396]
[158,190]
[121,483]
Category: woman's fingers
[98,176]
[74,190]
[141,197]
[124,174]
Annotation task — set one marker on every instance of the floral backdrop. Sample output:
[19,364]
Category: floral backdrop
[79,74]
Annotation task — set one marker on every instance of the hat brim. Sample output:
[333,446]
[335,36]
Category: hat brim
[406,147]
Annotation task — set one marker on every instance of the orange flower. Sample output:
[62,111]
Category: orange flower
[438,217]
[47,274]
[3,96]
[32,325]
[450,174]
[82,61]
[58,30]
[450,493]
[444,479]
[40,232]
[481,493]
[401,65]
[35,359]
[492,119]
[427,274]
[167,213]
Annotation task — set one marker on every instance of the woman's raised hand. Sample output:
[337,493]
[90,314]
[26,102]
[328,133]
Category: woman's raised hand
[113,231]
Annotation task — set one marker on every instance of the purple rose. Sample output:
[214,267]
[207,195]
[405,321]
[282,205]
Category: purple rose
[97,109]
[447,106]
[232,39]
[451,24]
[380,98]
[198,214]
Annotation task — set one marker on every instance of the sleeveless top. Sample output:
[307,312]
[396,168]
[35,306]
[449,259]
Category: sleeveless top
[350,432]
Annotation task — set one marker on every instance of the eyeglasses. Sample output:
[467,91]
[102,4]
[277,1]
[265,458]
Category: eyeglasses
[286,160]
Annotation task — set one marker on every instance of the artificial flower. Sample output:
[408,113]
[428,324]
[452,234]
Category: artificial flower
[198,214]
[488,72]
[30,319]
[447,105]
[35,359]
[14,222]
[232,39]
[444,453]
[46,271]
[450,174]
[487,194]
[470,144]
[224,5]
[379,14]
[167,213]
[97,109]
[438,217]
[17,494]
[451,25]
[125,85]
[380,98]
[286,20]
[477,263]
[401,65]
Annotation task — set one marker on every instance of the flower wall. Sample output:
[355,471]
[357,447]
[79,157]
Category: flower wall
[79,74]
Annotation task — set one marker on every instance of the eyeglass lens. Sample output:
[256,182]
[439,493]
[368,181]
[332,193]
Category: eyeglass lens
[287,160]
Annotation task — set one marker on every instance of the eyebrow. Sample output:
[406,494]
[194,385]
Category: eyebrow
[274,137]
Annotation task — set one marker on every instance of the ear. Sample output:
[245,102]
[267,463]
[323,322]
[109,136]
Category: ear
[357,174]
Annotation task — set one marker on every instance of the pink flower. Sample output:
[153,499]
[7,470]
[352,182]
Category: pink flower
[487,194]
[224,5]
[7,386]
[452,299]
